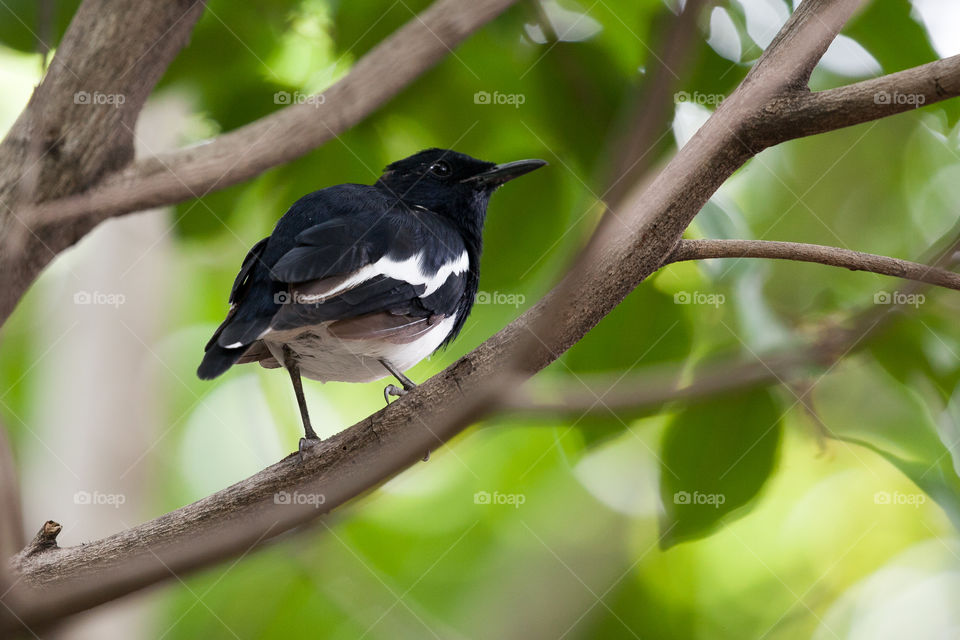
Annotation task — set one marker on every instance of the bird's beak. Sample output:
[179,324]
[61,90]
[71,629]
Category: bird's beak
[504,173]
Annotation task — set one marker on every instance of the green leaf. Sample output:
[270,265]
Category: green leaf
[716,457]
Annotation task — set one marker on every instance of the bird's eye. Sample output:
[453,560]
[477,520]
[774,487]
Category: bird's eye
[441,169]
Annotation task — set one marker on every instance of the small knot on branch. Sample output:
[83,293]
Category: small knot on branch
[45,539]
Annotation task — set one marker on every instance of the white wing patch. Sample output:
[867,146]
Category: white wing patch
[409,270]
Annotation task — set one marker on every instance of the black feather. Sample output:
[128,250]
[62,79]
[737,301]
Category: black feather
[329,235]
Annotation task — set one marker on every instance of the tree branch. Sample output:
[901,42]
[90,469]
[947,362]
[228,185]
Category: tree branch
[832,256]
[652,389]
[802,113]
[613,395]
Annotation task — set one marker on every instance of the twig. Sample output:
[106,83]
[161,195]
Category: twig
[45,540]
[653,389]
[832,256]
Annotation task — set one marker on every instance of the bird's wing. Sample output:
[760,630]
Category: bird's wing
[391,280]
[242,282]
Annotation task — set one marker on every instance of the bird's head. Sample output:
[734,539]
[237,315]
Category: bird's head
[451,184]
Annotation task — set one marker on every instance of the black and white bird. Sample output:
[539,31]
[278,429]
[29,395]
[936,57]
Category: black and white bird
[359,282]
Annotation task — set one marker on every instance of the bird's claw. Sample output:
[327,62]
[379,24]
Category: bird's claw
[393,390]
[306,444]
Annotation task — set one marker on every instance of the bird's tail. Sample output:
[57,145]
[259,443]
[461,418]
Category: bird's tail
[217,360]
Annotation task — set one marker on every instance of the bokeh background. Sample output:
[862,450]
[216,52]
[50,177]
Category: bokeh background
[828,506]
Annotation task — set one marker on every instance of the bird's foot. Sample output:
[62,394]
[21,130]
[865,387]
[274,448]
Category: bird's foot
[393,390]
[306,444]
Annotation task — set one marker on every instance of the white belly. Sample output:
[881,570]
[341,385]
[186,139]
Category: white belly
[326,358]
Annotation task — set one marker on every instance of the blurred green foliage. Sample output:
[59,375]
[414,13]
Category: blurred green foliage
[594,549]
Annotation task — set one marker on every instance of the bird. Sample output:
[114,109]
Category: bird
[360,282]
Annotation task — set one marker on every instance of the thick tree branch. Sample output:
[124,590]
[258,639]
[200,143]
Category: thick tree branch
[802,113]
[832,256]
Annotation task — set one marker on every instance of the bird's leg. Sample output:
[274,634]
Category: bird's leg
[290,363]
[392,389]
